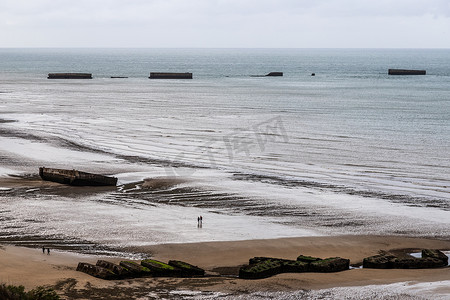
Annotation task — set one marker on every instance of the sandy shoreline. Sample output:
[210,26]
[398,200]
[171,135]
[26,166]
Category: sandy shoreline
[31,268]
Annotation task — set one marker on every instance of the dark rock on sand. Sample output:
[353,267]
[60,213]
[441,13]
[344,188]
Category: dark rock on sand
[382,261]
[96,271]
[288,266]
[119,270]
[328,265]
[135,269]
[307,259]
[187,270]
[417,263]
[294,266]
[161,269]
[434,253]
[262,269]
[257,259]
[430,259]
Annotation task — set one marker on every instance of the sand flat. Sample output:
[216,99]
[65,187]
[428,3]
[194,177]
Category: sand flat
[31,268]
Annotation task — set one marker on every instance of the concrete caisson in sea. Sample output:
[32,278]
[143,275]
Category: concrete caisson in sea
[275,74]
[164,75]
[69,76]
[406,72]
[74,177]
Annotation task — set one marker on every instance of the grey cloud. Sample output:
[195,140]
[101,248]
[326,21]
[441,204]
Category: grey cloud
[141,11]
[213,23]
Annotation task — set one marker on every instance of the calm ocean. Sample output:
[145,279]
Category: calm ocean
[350,150]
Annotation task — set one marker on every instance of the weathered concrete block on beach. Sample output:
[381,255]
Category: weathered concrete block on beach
[434,253]
[416,263]
[406,72]
[262,269]
[307,259]
[161,269]
[275,74]
[187,270]
[288,266]
[430,259]
[135,269]
[164,75]
[294,266]
[382,261]
[69,76]
[431,262]
[119,270]
[75,177]
[259,259]
[96,271]
[328,265]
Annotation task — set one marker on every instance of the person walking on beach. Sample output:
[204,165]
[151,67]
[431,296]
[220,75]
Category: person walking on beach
[48,251]
[43,250]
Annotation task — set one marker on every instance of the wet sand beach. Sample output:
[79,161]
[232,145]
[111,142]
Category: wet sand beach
[31,268]
[221,259]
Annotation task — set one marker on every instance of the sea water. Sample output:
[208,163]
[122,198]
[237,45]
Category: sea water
[350,150]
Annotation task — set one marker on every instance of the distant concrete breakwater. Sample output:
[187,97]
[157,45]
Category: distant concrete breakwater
[153,75]
[189,75]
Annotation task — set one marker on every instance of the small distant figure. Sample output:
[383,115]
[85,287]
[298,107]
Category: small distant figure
[48,251]
[313,74]
[43,250]
[198,221]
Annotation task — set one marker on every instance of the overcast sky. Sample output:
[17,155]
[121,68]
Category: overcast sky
[226,23]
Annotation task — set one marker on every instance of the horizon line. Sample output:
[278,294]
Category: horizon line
[293,48]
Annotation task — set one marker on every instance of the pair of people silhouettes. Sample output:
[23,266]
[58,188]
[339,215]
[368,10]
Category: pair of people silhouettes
[48,250]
